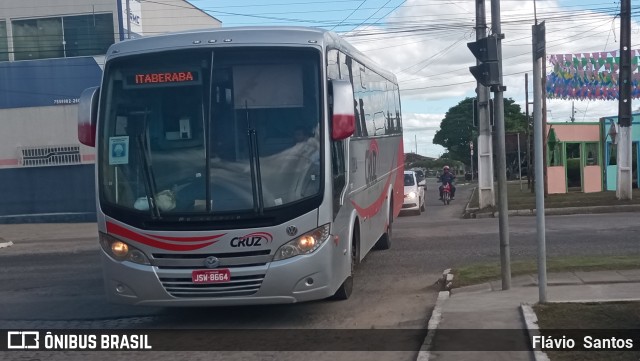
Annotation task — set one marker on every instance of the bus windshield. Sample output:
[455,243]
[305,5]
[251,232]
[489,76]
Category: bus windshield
[202,131]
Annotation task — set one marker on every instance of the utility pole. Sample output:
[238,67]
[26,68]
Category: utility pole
[526,97]
[128,21]
[486,194]
[471,149]
[519,164]
[488,72]
[498,108]
[543,78]
[623,189]
[573,112]
[538,33]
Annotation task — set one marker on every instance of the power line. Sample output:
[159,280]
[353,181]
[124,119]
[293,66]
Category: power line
[348,16]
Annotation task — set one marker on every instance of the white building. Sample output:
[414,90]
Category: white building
[49,52]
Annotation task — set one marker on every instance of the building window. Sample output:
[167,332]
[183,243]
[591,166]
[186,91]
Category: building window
[592,154]
[60,37]
[88,34]
[555,155]
[4,44]
[37,39]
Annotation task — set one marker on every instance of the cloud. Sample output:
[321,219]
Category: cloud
[414,121]
[424,43]
[419,130]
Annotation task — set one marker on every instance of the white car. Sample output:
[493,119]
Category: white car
[413,193]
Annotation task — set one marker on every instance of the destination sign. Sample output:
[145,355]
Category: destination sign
[163,78]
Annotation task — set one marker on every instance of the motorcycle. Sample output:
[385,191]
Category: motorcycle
[446,193]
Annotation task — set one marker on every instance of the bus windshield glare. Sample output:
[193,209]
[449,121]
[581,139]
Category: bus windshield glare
[209,132]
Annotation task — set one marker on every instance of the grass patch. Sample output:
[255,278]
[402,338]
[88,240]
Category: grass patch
[483,272]
[591,316]
[524,199]
[571,316]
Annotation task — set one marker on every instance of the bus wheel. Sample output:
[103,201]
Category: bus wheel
[385,240]
[346,288]
[344,292]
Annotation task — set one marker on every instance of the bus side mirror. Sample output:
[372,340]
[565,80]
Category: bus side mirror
[343,123]
[87,114]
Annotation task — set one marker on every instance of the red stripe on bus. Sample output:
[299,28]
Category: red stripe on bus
[375,207]
[129,234]
[399,185]
[186,239]
[9,162]
[373,146]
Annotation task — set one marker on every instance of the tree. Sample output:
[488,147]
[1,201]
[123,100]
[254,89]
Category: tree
[456,129]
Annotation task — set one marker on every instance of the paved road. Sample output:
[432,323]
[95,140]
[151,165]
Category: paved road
[394,288]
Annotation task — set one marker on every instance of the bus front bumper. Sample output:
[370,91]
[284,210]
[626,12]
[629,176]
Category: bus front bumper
[297,279]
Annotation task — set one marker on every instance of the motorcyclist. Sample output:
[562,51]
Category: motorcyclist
[447,177]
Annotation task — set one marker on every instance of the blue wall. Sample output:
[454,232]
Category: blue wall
[56,193]
[611,171]
[48,194]
[37,83]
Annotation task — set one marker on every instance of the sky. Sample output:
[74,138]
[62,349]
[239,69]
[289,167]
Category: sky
[424,42]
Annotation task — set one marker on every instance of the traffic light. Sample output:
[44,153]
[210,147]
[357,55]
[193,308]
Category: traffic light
[486,51]
[476,111]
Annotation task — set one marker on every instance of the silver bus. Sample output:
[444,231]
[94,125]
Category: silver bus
[241,166]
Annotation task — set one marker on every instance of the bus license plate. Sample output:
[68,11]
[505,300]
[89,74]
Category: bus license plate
[211,276]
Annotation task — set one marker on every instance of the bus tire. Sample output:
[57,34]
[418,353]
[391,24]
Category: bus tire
[385,240]
[346,288]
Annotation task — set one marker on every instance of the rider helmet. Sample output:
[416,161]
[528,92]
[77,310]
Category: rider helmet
[446,167]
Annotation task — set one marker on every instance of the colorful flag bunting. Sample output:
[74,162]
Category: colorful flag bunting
[589,76]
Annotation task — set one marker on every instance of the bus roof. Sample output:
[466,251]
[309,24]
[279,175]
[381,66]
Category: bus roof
[243,36]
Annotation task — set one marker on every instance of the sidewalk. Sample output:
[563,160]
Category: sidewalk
[486,307]
[523,203]
[31,238]
[482,307]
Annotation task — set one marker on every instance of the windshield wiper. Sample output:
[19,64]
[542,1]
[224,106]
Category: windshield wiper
[254,162]
[149,179]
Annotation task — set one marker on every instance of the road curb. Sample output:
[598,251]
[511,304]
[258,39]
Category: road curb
[556,211]
[470,212]
[602,300]
[436,316]
[531,321]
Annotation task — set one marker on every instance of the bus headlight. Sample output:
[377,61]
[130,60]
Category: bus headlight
[122,251]
[304,244]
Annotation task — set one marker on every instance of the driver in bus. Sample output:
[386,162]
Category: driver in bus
[310,146]
[298,135]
